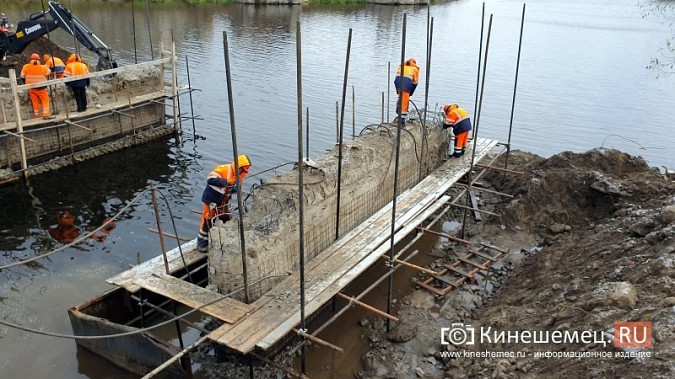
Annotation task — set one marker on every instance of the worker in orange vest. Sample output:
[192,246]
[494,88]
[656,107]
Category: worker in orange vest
[55,64]
[35,72]
[75,67]
[220,186]
[406,83]
[458,119]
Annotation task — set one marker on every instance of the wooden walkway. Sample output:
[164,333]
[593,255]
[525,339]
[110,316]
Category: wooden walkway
[267,320]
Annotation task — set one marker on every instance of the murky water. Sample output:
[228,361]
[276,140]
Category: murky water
[582,84]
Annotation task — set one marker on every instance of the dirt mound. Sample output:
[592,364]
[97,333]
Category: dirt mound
[604,226]
[41,46]
[573,189]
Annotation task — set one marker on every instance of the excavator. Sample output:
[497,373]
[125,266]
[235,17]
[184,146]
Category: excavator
[38,24]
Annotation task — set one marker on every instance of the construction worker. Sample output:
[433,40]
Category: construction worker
[220,186]
[75,67]
[405,83]
[458,119]
[56,65]
[35,72]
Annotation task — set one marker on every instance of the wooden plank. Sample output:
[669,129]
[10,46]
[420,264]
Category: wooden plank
[244,335]
[156,265]
[225,309]
[474,264]
[347,273]
[460,272]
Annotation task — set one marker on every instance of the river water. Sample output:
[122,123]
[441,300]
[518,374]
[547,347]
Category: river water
[582,84]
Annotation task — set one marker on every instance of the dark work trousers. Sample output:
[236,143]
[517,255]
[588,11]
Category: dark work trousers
[80,94]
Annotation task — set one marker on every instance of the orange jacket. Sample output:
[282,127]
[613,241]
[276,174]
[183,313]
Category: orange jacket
[220,182]
[77,68]
[34,72]
[458,119]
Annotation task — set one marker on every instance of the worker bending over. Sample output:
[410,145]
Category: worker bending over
[35,72]
[405,83]
[55,64]
[220,185]
[457,119]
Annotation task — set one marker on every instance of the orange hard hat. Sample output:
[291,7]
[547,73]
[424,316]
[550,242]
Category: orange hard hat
[46,57]
[35,56]
[412,61]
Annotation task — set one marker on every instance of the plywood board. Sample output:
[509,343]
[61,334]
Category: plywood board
[222,308]
[156,265]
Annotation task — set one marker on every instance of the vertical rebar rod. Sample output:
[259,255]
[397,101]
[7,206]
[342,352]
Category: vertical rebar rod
[480,52]
[307,135]
[159,230]
[382,115]
[147,21]
[515,86]
[72,28]
[301,201]
[337,122]
[388,87]
[341,132]
[390,290]
[175,99]
[422,166]
[426,84]
[240,205]
[166,259]
[475,135]
[133,28]
[192,109]
[55,108]
[353,113]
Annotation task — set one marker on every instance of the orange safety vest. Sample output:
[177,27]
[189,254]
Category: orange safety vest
[76,69]
[411,72]
[455,116]
[34,72]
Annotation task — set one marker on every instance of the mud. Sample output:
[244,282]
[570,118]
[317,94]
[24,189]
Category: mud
[591,241]
[41,46]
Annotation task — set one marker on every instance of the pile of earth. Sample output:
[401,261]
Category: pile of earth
[591,243]
[41,46]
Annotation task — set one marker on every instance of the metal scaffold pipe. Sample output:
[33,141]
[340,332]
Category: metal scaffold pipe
[133,28]
[480,51]
[233,129]
[301,202]
[147,21]
[192,109]
[390,290]
[515,86]
[341,133]
[475,135]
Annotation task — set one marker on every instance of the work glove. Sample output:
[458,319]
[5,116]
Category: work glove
[233,188]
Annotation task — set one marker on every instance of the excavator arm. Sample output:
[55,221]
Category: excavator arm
[38,24]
